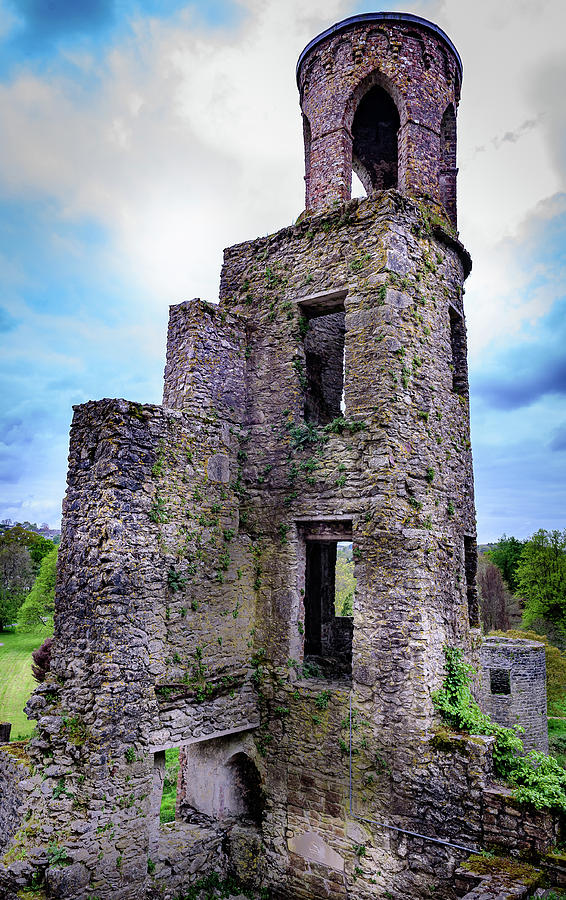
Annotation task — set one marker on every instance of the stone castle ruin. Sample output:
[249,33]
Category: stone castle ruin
[322,401]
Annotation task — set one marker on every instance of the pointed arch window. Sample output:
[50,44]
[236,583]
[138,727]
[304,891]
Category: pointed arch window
[375,147]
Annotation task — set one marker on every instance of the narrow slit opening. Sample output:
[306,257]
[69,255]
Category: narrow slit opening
[470,567]
[458,347]
[324,367]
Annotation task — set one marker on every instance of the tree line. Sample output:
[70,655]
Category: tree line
[524,582]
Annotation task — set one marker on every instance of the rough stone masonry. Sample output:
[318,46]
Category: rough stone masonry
[322,402]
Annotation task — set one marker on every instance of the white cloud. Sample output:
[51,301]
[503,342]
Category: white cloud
[183,139]
[190,141]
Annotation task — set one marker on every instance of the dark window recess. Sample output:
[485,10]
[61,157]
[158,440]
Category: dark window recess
[471,568]
[328,632]
[448,169]
[374,150]
[500,681]
[307,139]
[458,344]
[324,367]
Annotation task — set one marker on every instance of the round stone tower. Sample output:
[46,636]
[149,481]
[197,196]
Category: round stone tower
[513,687]
[379,94]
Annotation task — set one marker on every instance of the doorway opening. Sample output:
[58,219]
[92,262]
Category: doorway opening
[220,783]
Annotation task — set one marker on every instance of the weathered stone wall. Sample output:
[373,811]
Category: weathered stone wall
[509,826]
[180,613]
[418,67]
[180,603]
[14,768]
[205,368]
[146,652]
[404,479]
[513,687]
[315,845]
[397,468]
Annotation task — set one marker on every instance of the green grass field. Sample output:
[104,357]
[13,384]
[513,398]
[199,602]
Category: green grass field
[169,799]
[557,739]
[16,680]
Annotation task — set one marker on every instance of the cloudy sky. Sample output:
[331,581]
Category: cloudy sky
[140,137]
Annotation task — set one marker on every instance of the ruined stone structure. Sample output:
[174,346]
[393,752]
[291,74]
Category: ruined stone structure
[323,401]
[513,689]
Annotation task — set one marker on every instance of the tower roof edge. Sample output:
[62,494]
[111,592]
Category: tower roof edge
[367,18]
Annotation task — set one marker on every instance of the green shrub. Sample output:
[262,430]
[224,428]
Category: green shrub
[538,779]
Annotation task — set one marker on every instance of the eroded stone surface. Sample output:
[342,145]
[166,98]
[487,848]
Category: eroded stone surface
[324,398]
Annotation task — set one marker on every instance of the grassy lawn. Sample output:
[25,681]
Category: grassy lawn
[557,739]
[169,799]
[16,680]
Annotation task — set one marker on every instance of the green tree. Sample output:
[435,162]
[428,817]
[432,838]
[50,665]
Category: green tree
[10,603]
[345,581]
[16,578]
[39,603]
[541,579]
[36,545]
[506,555]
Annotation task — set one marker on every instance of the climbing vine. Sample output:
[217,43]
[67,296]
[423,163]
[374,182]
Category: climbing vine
[538,779]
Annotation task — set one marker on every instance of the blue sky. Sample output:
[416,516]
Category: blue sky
[140,138]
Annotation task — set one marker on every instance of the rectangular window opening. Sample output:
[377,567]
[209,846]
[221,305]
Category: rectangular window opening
[324,341]
[164,796]
[166,774]
[471,568]
[330,585]
[458,345]
[500,681]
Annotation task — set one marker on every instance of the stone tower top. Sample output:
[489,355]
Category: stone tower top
[379,94]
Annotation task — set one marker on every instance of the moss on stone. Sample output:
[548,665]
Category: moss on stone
[443,740]
[504,867]
[18,751]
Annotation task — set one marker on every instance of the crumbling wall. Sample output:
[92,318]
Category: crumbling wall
[14,768]
[180,600]
[131,670]
[396,466]
[404,479]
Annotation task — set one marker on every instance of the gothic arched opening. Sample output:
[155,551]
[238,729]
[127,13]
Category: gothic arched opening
[374,131]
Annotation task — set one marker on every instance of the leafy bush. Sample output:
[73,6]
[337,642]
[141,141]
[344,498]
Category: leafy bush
[42,660]
[538,779]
